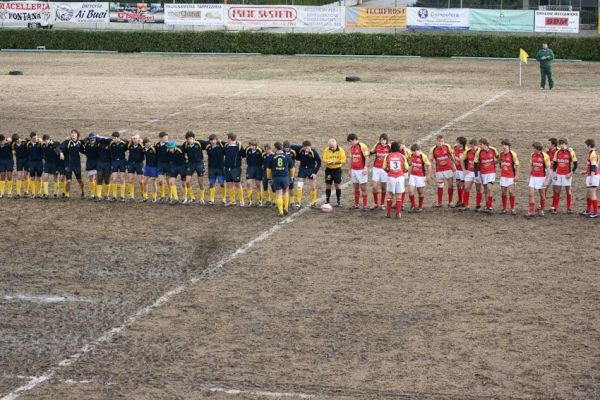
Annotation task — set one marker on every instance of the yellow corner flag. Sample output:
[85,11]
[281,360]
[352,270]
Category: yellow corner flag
[523,56]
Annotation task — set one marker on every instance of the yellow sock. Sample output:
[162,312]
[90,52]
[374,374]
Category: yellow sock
[267,195]
[202,194]
[145,193]
[27,185]
[19,186]
[232,195]
[286,201]
[46,188]
[10,186]
[131,191]
[259,196]
[63,185]
[93,188]
[241,194]
[191,193]
[313,197]
[163,190]
[114,187]
[38,187]
[2,187]
[212,194]
[280,205]
[185,192]
[123,188]
[299,196]
[55,187]
[154,195]
[223,192]
[142,190]
[250,193]
[99,190]
[174,194]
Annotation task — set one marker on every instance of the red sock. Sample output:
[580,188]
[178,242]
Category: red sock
[376,197]
[595,205]
[411,197]
[531,207]
[478,199]
[504,201]
[542,204]
[489,202]
[398,206]
[402,197]
[365,200]
[569,201]
[589,205]
[465,198]
[356,197]
[389,205]
[440,193]
[460,194]
[512,202]
[555,201]
[450,195]
[382,197]
[421,201]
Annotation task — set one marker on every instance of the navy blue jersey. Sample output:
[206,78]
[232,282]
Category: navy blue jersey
[136,152]
[162,154]
[150,155]
[71,150]
[51,153]
[194,152]
[254,158]
[280,165]
[266,160]
[90,150]
[233,155]
[21,152]
[104,154]
[309,159]
[35,151]
[118,150]
[6,151]
[215,155]
[177,157]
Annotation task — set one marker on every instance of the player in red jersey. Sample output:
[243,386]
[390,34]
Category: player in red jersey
[441,154]
[551,149]
[468,161]
[420,172]
[509,174]
[359,169]
[405,151]
[459,174]
[539,178]
[396,165]
[564,165]
[592,180]
[485,167]
[378,174]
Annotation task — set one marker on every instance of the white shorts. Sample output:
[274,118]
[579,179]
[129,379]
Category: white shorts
[488,178]
[469,176]
[417,181]
[562,180]
[592,181]
[459,175]
[395,185]
[379,175]
[506,182]
[537,182]
[444,175]
[551,176]
[358,176]
[92,172]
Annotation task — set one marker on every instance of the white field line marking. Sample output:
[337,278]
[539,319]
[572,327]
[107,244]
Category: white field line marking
[241,92]
[260,393]
[44,298]
[166,297]
[200,106]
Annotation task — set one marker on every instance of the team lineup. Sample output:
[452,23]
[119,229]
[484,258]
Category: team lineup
[114,166]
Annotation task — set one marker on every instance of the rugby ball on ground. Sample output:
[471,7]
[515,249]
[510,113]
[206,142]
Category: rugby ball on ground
[326,207]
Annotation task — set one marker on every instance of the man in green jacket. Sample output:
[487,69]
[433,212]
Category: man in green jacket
[545,57]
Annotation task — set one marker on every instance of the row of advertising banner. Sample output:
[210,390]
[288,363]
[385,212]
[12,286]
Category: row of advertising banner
[318,18]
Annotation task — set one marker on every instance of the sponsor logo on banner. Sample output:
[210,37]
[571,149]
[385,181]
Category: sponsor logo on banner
[136,12]
[194,14]
[557,21]
[438,19]
[20,12]
[81,12]
[285,16]
[501,20]
[376,17]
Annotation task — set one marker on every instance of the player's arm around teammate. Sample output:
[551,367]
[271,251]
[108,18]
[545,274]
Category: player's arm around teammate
[509,175]
[379,175]
[195,165]
[359,170]
[592,179]
[420,173]
[564,166]
[442,158]
[485,166]
[539,178]
[334,158]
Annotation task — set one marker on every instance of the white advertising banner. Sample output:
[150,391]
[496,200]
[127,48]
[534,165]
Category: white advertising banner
[25,12]
[195,14]
[81,12]
[557,21]
[438,18]
[285,17]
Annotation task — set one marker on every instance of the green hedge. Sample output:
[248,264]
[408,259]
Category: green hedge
[420,44]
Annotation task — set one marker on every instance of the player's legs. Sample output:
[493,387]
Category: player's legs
[531,209]
[556,189]
[2,183]
[299,189]
[450,186]
[313,192]
[279,201]
[478,195]
[460,188]
[569,196]
[201,189]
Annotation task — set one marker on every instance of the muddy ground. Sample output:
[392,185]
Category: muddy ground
[345,305]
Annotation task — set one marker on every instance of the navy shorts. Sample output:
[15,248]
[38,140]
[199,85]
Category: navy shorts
[61,170]
[135,168]
[51,169]
[164,168]
[198,168]
[215,175]
[22,165]
[73,170]
[36,168]
[254,173]
[232,174]
[151,172]
[305,173]
[103,167]
[177,170]
[280,182]
[91,165]
[118,166]
[6,165]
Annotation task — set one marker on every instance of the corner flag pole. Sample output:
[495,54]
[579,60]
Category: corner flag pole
[520,73]
[522,59]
